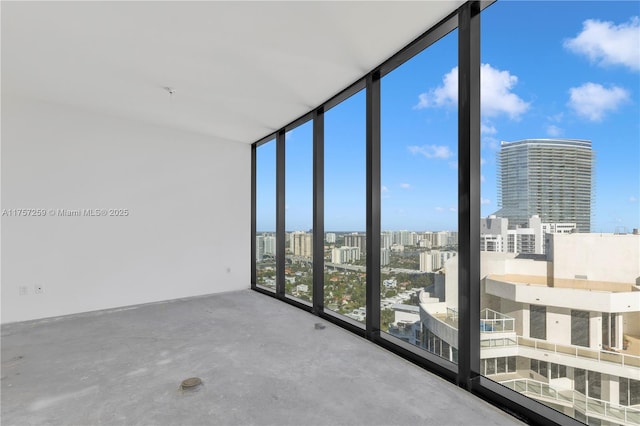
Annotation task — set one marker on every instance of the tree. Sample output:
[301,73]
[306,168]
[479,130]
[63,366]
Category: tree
[386,316]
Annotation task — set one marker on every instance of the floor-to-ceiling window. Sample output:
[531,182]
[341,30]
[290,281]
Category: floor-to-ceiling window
[299,212]
[559,312]
[265,244]
[419,200]
[345,208]
[560,90]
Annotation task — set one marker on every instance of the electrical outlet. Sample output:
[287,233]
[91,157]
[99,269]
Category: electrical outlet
[23,290]
[38,289]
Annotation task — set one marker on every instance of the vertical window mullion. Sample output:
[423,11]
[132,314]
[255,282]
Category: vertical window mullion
[318,211]
[373,205]
[469,193]
[253,215]
[280,212]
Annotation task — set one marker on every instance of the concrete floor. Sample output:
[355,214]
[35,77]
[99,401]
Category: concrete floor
[262,363]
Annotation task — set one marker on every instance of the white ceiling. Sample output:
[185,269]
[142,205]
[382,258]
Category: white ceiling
[240,70]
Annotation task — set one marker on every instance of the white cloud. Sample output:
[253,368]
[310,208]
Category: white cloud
[553,130]
[496,96]
[453,209]
[431,151]
[423,101]
[482,179]
[482,161]
[606,43]
[439,209]
[490,143]
[384,189]
[485,201]
[632,199]
[405,186]
[557,118]
[592,100]
[487,129]
[444,95]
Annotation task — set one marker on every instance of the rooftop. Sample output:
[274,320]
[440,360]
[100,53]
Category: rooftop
[578,284]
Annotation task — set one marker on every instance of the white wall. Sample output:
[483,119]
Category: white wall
[188,196]
[558,325]
[594,256]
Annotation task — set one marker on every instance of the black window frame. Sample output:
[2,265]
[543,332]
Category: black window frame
[466,373]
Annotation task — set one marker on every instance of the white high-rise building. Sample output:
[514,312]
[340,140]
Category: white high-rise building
[385,256]
[402,238]
[551,178]
[301,244]
[430,261]
[270,245]
[356,240]
[496,235]
[330,237]
[558,228]
[259,248]
[342,255]
[386,240]
[433,260]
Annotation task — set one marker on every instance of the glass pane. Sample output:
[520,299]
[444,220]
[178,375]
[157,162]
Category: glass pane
[345,207]
[419,200]
[544,369]
[623,388]
[538,322]
[491,366]
[266,215]
[560,162]
[580,328]
[299,212]
[634,392]
[595,384]
[580,381]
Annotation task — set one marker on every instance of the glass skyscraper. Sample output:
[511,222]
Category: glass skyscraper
[551,178]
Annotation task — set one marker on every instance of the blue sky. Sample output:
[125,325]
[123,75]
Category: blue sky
[550,69]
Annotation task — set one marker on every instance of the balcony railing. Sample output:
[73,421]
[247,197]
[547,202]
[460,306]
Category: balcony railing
[540,389]
[452,315]
[402,329]
[578,351]
[490,321]
[586,405]
[495,322]
[497,342]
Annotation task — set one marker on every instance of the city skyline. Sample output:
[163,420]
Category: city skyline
[569,84]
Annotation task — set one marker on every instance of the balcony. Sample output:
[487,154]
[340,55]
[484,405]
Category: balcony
[608,362]
[495,322]
[591,407]
[497,331]
[497,334]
